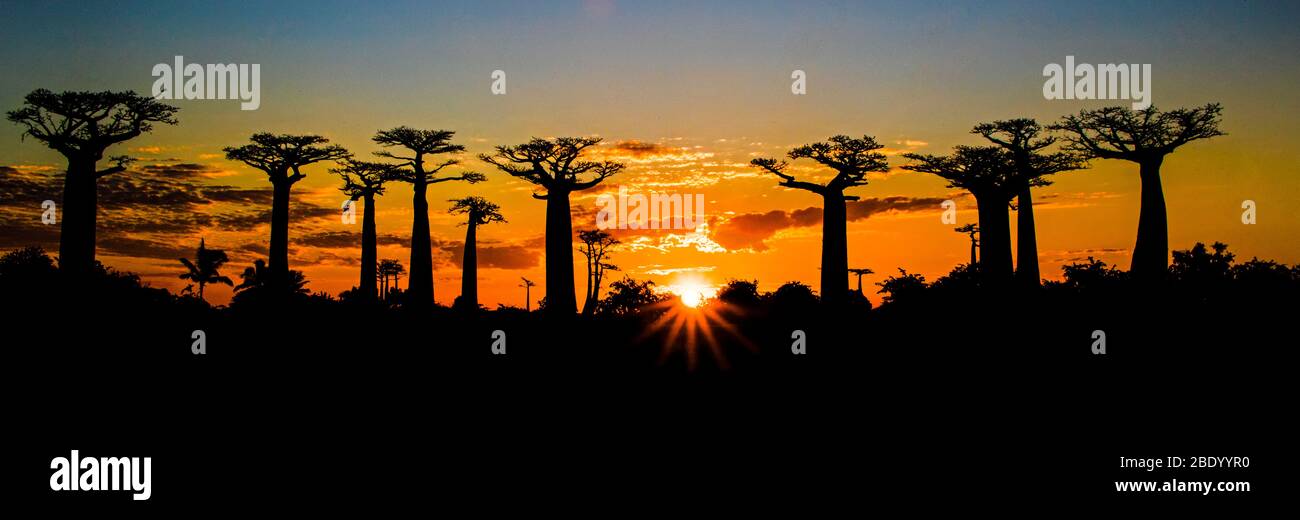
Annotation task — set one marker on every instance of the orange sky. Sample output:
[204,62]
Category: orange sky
[686,95]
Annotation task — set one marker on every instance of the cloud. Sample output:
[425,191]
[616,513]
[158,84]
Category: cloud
[751,230]
[181,170]
[344,239]
[660,270]
[497,256]
[146,212]
[121,245]
[635,152]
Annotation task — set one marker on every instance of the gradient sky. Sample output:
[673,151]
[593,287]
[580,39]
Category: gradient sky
[686,93]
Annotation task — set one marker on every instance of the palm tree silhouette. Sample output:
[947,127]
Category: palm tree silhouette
[852,159]
[277,155]
[971,230]
[364,180]
[987,173]
[1144,137]
[421,143]
[204,269]
[259,281]
[595,246]
[527,285]
[1021,138]
[478,211]
[82,126]
[556,166]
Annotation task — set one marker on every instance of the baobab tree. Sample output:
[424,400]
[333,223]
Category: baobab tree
[1144,137]
[277,155]
[421,145]
[851,159]
[987,173]
[478,211]
[528,286]
[1023,139]
[556,166]
[971,230]
[390,268]
[363,180]
[860,272]
[595,246]
[82,126]
[205,268]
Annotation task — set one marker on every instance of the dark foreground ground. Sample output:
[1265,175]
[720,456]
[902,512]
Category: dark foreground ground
[952,400]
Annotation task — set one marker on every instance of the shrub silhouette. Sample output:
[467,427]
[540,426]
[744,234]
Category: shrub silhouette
[905,287]
[742,293]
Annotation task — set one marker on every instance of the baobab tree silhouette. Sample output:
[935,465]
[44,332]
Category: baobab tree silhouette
[1144,137]
[205,267]
[595,246]
[852,159]
[82,126]
[478,211]
[971,230]
[364,180]
[556,166]
[987,173]
[389,268]
[421,143]
[860,271]
[1021,138]
[527,285]
[277,155]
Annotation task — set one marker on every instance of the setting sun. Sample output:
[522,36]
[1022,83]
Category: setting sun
[692,291]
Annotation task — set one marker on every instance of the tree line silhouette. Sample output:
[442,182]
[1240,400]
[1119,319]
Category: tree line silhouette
[1022,155]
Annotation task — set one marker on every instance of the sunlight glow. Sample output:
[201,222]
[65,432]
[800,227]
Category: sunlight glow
[692,291]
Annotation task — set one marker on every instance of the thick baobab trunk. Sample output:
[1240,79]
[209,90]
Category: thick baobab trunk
[560,298]
[995,241]
[279,253]
[469,268]
[419,284]
[1027,243]
[835,249]
[77,239]
[1151,253]
[368,252]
